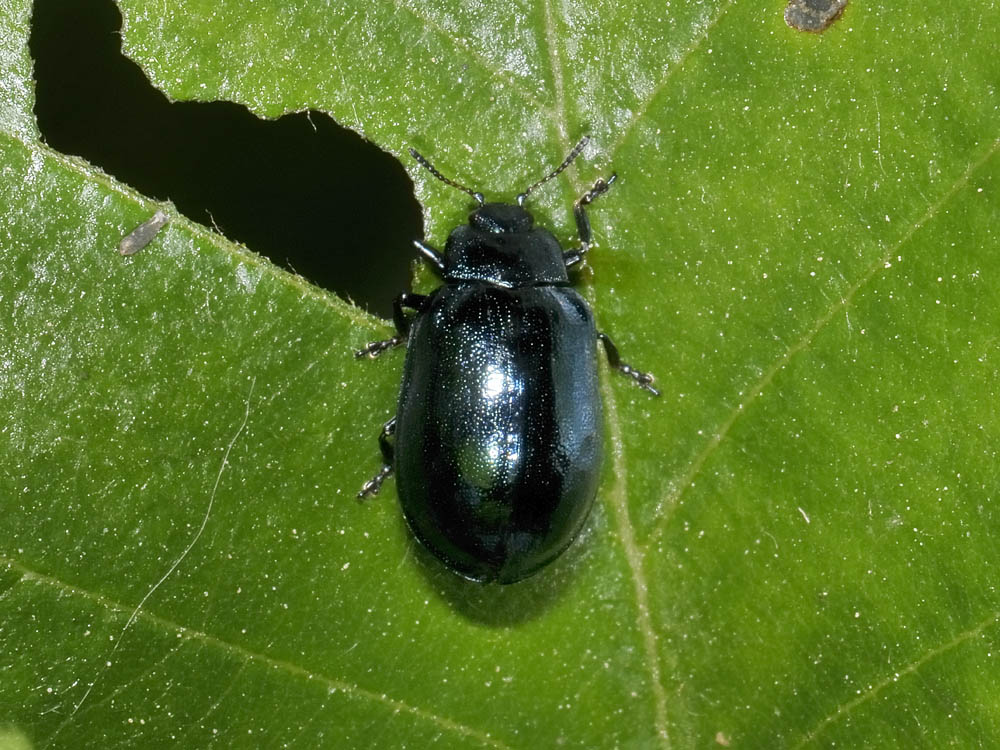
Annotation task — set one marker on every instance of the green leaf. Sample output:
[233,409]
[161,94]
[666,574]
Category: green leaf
[793,548]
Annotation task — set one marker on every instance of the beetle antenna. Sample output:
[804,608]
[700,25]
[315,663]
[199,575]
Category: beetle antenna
[430,168]
[558,170]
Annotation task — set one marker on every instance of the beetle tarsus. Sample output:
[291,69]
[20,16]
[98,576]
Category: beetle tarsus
[373,485]
[642,379]
[376,348]
[600,188]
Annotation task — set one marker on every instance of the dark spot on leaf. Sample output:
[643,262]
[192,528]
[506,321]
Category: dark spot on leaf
[310,195]
[142,235]
[813,15]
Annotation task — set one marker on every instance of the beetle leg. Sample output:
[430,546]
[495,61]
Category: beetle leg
[415,302]
[583,222]
[402,322]
[372,486]
[642,379]
[431,255]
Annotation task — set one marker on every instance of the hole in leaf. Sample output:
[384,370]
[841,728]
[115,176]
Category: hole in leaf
[310,195]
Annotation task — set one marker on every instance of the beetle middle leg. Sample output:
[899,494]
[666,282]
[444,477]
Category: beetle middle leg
[401,321]
[373,485]
[583,221]
[642,379]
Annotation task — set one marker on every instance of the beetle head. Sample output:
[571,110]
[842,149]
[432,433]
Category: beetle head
[496,218]
[500,244]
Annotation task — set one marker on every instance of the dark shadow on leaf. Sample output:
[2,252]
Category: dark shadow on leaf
[499,605]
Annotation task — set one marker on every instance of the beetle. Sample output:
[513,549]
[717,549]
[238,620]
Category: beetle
[498,434]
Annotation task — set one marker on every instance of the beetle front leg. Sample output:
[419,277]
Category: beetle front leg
[642,379]
[583,221]
[402,322]
[373,485]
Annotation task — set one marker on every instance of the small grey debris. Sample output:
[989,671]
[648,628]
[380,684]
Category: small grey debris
[143,234]
[813,15]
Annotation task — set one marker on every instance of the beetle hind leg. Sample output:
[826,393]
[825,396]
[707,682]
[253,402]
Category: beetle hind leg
[373,485]
[642,379]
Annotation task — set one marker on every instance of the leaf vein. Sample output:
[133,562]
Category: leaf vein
[557,72]
[176,563]
[180,741]
[480,60]
[668,74]
[874,690]
[247,655]
[671,501]
[633,555]
[120,688]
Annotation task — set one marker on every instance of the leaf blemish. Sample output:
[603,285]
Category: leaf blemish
[814,16]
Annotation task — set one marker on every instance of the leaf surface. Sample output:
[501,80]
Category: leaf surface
[793,547]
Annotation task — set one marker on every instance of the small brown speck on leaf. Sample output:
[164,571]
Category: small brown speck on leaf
[814,16]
